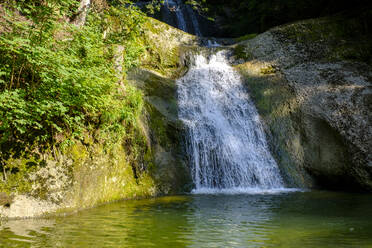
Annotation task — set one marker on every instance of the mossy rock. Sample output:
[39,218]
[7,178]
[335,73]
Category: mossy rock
[242,52]
[313,100]
[163,44]
[245,37]
[164,130]
[269,69]
[5,199]
[330,38]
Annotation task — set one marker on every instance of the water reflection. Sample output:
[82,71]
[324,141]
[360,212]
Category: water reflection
[302,219]
[23,231]
[230,223]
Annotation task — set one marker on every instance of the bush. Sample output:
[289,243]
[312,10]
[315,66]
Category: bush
[58,80]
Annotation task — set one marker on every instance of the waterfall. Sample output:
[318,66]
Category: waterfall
[176,13]
[175,6]
[225,139]
[194,20]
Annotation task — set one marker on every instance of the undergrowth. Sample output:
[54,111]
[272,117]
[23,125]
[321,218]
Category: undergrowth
[58,81]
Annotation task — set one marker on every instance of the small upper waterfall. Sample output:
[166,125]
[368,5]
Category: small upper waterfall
[180,15]
[194,20]
[175,6]
[225,139]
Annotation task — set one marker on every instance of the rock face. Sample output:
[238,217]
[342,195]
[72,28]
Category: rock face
[315,102]
[27,206]
[163,130]
[156,79]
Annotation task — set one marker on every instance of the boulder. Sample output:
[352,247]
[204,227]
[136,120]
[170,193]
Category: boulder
[315,101]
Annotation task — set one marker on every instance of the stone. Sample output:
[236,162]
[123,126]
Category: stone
[316,104]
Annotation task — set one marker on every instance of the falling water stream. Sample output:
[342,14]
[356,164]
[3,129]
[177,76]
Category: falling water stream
[225,138]
[181,15]
[175,6]
[194,20]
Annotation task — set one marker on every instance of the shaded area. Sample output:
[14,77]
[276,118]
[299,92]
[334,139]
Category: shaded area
[236,17]
[163,131]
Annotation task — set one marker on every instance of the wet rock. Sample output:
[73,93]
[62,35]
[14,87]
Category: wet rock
[164,131]
[315,103]
[25,206]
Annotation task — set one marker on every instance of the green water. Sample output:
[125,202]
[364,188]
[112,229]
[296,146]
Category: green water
[301,219]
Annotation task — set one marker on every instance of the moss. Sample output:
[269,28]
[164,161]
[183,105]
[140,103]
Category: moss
[269,70]
[266,93]
[16,177]
[165,158]
[165,131]
[94,174]
[332,38]
[78,153]
[163,48]
[157,125]
[245,37]
[106,178]
[241,52]
[163,62]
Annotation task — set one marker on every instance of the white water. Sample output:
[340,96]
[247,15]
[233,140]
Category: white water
[244,190]
[212,43]
[225,139]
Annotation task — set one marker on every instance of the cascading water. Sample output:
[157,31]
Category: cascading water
[175,6]
[180,15]
[225,139]
[194,20]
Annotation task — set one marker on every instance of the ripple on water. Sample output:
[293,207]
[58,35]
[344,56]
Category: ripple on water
[296,219]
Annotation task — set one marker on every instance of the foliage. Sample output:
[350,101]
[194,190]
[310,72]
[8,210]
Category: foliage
[58,81]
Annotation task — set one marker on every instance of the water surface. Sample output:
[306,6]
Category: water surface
[296,219]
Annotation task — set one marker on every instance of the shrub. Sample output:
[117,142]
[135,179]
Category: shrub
[58,80]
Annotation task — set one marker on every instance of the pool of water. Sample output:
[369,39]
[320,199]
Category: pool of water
[292,219]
